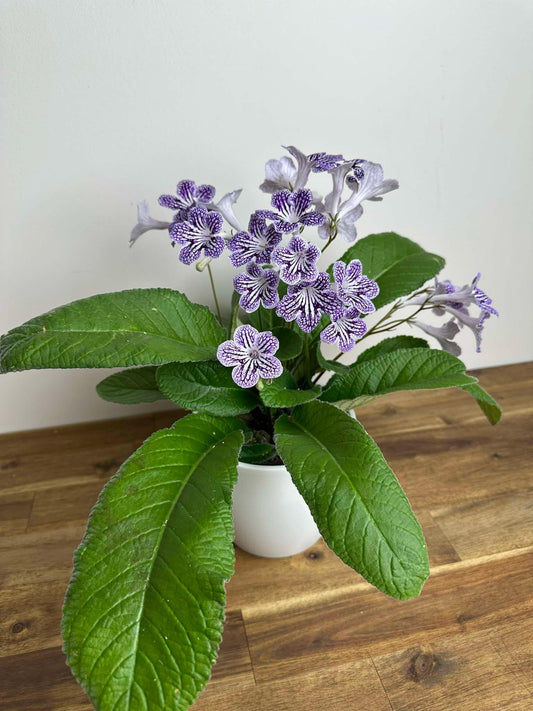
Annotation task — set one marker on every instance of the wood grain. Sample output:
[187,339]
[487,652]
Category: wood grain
[307,633]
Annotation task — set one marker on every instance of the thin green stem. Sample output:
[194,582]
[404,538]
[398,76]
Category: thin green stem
[214,292]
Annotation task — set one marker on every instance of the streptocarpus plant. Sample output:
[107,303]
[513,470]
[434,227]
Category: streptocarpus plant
[144,610]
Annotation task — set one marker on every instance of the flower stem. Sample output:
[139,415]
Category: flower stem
[214,293]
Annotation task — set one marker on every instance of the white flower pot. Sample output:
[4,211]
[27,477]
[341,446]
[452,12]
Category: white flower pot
[270,517]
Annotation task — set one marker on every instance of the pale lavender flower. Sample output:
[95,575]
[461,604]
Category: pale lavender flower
[293,210]
[307,301]
[145,223]
[188,195]
[304,167]
[252,355]
[444,335]
[446,298]
[343,227]
[345,328]
[225,207]
[256,244]
[279,174]
[257,286]
[333,225]
[367,183]
[298,260]
[201,232]
[353,287]
[323,162]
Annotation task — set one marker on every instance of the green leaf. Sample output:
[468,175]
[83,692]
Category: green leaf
[389,345]
[397,264]
[137,327]
[256,453]
[131,386]
[486,402]
[354,497]
[143,615]
[333,365]
[406,369]
[206,386]
[291,342]
[282,392]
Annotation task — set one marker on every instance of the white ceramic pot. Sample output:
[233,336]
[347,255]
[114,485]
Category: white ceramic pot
[270,517]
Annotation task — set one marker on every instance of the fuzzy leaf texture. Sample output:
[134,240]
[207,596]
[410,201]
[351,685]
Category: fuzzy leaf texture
[206,386]
[131,386]
[135,327]
[356,501]
[405,369]
[283,392]
[399,265]
[389,345]
[143,615]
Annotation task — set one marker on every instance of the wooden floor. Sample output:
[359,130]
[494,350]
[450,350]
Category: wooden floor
[307,633]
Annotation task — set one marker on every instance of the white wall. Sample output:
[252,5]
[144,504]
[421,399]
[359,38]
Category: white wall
[105,103]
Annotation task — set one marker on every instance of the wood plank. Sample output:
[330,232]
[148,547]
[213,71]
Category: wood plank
[485,526]
[323,632]
[307,632]
[462,672]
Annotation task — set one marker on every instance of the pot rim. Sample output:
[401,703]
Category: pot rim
[256,468]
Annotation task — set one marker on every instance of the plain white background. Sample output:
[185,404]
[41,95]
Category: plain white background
[107,103]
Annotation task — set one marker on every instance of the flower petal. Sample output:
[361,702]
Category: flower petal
[245,336]
[230,353]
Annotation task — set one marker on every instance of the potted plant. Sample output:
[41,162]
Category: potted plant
[144,611]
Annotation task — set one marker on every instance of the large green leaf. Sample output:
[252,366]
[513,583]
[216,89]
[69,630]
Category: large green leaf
[290,342]
[389,345]
[206,386]
[283,392]
[405,369]
[143,615]
[354,497]
[397,264]
[486,402]
[136,327]
[131,386]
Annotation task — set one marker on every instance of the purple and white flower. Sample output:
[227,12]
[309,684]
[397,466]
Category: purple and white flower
[444,335]
[252,355]
[145,223]
[355,289]
[256,244]
[257,286]
[298,260]
[279,174]
[188,195]
[293,210]
[323,162]
[200,233]
[345,328]
[307,301]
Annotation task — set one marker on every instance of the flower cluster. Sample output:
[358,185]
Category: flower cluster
[281,264]
[445,298]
